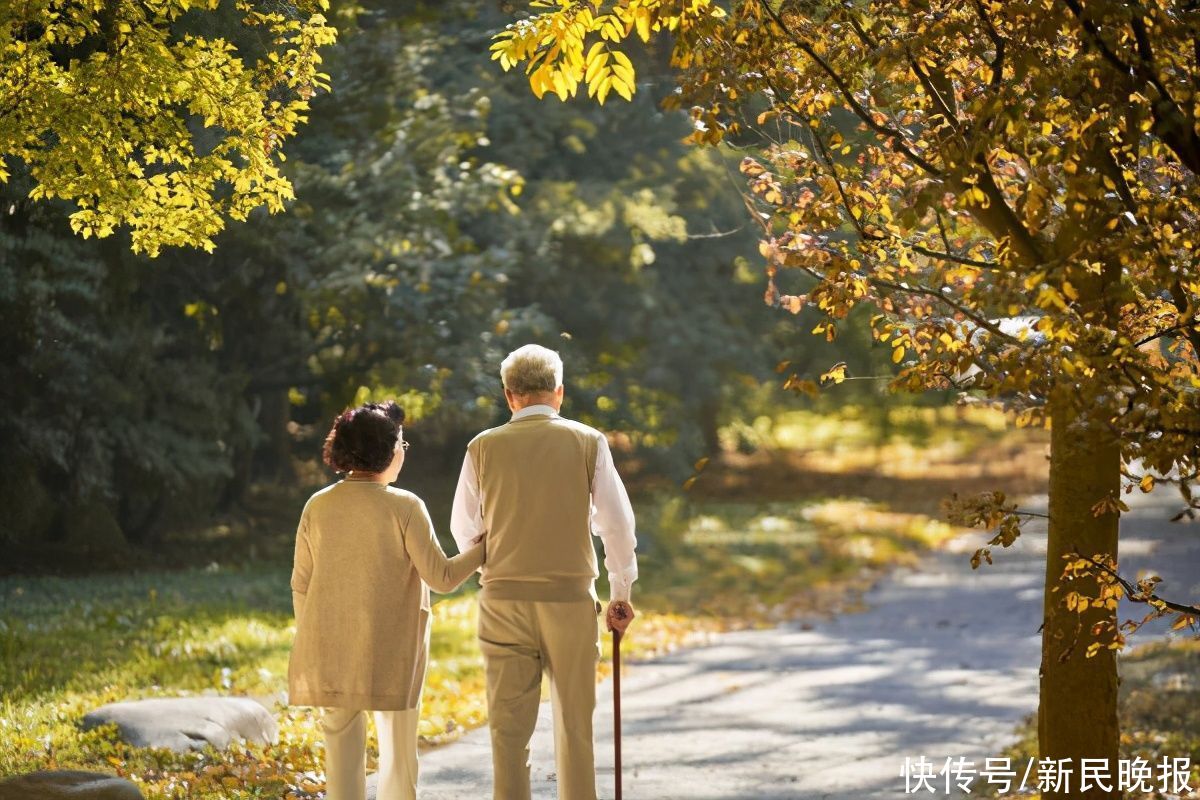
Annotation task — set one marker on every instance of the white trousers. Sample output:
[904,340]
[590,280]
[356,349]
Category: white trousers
[346,753]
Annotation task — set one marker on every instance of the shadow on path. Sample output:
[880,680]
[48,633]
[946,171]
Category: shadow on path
[943,663]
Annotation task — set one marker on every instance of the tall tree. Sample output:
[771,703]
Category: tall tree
[1013,186]
[165,116]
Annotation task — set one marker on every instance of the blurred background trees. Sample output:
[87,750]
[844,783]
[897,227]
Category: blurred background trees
[442,217]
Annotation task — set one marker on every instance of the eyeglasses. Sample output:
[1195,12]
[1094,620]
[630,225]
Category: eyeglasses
[401,444]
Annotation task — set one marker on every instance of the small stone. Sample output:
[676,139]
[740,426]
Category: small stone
[188,723]
[68,785]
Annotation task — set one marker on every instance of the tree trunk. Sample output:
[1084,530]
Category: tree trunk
[710,426]
[1077,713]
[273,459]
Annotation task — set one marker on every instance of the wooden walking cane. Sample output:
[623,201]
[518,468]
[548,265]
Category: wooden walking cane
[617,706]
[619,611]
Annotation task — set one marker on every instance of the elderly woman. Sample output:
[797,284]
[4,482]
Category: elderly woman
[366,555]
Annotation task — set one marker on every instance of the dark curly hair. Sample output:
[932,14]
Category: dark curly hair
[363,439]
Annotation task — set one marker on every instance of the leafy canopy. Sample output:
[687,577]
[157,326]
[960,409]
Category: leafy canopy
[1012,186]
[162,115]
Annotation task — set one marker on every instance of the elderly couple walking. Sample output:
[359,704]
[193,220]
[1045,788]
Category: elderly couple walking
[531,495]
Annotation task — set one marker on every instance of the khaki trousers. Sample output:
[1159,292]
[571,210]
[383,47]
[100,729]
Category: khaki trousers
[520,639]
[346,753]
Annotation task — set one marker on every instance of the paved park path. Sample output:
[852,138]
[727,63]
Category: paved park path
[942,663]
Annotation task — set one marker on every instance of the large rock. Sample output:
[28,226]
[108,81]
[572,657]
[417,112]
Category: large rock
[188,723]
[68,785]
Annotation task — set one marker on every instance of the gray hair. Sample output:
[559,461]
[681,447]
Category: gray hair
[531,369]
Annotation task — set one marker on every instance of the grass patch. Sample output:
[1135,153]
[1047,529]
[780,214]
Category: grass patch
[761,537]
[857,429]
[763,562]
[69,645]
[1159,709]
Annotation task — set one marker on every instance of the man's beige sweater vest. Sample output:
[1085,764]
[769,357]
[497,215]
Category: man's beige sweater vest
[535,480]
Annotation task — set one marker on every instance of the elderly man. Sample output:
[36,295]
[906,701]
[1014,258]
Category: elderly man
[538,487]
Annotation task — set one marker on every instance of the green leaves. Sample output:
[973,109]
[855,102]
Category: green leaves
[179,133]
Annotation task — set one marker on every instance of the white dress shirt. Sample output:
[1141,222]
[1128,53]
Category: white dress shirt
[611,515]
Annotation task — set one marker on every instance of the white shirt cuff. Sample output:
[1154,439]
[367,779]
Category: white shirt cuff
[618,590]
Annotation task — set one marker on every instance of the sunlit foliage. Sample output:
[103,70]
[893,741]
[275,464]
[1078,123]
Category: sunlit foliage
[165,116]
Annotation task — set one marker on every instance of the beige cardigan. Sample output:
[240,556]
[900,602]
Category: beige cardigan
[364,554]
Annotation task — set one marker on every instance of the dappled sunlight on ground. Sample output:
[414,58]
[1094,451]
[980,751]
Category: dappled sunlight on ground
[761,538]
[823,707]
[906,457]
[916,482]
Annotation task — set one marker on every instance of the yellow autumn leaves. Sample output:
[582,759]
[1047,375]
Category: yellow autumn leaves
[553,43]
[115,130]
[605,71]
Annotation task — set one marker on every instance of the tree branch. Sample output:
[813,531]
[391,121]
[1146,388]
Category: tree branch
[1171,124]
[997,65]
[863,233]
[828,159]
[938,95]
[1183,305]
[1001,219]
[716,234]
[969,313]
[1093,33]
[859,30]
[1135,594]
[895,138]
[922,291]
[945,256]
[1191,323]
